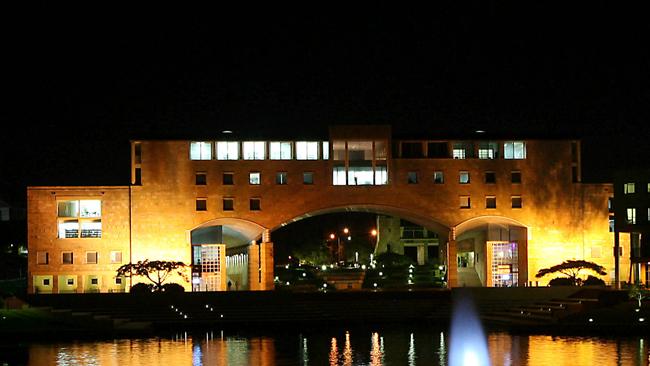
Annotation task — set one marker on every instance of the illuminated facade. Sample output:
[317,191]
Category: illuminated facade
[514,206]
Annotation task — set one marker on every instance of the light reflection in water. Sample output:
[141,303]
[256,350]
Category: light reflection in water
[387,347]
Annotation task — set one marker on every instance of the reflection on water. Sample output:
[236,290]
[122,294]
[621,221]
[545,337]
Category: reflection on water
[388,346]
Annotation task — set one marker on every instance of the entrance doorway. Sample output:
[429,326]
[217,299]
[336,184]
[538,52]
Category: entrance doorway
[503,270]
[208,267]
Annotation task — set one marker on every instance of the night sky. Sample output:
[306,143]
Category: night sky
[77,88]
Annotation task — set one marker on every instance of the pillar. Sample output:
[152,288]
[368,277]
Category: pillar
[254,266]
[452,264]
[260,266]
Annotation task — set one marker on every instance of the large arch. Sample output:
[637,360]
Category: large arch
[234,231]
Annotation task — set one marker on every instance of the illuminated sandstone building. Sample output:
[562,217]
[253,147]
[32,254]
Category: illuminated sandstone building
[502,208]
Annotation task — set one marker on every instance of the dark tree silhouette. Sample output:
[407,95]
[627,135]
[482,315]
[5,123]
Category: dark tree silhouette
[155,271]
[571,269]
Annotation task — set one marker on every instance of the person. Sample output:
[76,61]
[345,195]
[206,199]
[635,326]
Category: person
[229,285]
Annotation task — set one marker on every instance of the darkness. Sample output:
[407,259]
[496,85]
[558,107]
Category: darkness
[78,88]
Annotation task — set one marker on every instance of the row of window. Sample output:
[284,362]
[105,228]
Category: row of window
[630,188]
[490,202]
[228,204]
[79,219]
[631,216]
[71,281]
[68,257]
[356,177]
[257,150]
[463,149]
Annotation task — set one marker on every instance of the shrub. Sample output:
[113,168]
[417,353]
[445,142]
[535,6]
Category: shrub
[173,288]
[561,281]
[142,288]
[390,259]
[593,281]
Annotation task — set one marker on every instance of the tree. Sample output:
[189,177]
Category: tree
[571,269]
[155,271]
[638,293]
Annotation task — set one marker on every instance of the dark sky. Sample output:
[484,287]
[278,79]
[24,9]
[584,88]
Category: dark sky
[77,88]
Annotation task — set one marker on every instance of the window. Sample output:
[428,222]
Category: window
[254,150]
[338,150]
[463,177]
[464,202]
[67,258]
[254,178]
[487,150]
[360,176]
[228,204]
[280,150]
[79,219]
[201,204]
[42,258]
[611,224]
[227,150]
[360,150]
[308,178]
[628,188]
[116,257]
[412,150]
[631,216]
[514,150]
[490,177]
[516,201]
[306,150]
[228,178]
[338,176]
[610,204]
[94,281]
[281,178]
[70,281]
[326,150]
[515,177]
[462,150]
[46,282]
[255,204]
[381,175]
[200,150]
[201,179]
[490,202]
[438,177]
[91,257]
[118,280]
[437,150]
[412,178]
[381,151]
[458,153]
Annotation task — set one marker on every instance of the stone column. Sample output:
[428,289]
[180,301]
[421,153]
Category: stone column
[254,266]
[452,264]
[266,266]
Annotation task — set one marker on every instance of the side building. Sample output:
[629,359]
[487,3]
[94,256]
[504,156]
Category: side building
[500,208]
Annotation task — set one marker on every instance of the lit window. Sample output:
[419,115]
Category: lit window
[514,150]
[201,179]
[200,150]
[631,216]
[280,150]
[79,219]
[458,153]
[487,150]
[438,177]
[254,178]
[381,175]
[648,187]
[516,201]
[326,150]
[308,178]
[515,177]
[490,202]
[464,202]
[360,176]
[611,225]
[255,204]
[228,178]
[306,150]
[91,257]
[412,177]
[628,188]
[228,204]
[254,150]
[381,150]
[490,177]
[116,257]
[463,177]
[338,176]
[201,204]
[359,150]
[227,150]
[42,258]
[67,258]
[338,150]
[281,178]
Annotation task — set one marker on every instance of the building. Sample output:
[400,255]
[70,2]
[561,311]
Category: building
[512,205]
[631,222]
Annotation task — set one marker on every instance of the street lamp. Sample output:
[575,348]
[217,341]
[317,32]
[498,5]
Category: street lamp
[340,250]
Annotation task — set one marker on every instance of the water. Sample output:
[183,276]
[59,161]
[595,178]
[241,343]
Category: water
[386,345]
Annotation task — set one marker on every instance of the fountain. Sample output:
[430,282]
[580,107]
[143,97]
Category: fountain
[468,344]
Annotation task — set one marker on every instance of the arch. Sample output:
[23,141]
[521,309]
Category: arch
[479,221]
[235,231]
[411,216]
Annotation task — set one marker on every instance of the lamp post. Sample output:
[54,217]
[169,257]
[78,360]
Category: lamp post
[340,249]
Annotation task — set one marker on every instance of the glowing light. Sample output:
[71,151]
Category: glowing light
[332,236]
[346,230]
[468,345]
[591,320]
[441,267]
[304,274]
[184,316]
[381,273]
[375,284]
[349,238]
[373,232]
[324,285]
[641,319]
[288,283]
[323,267]
[363,266]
